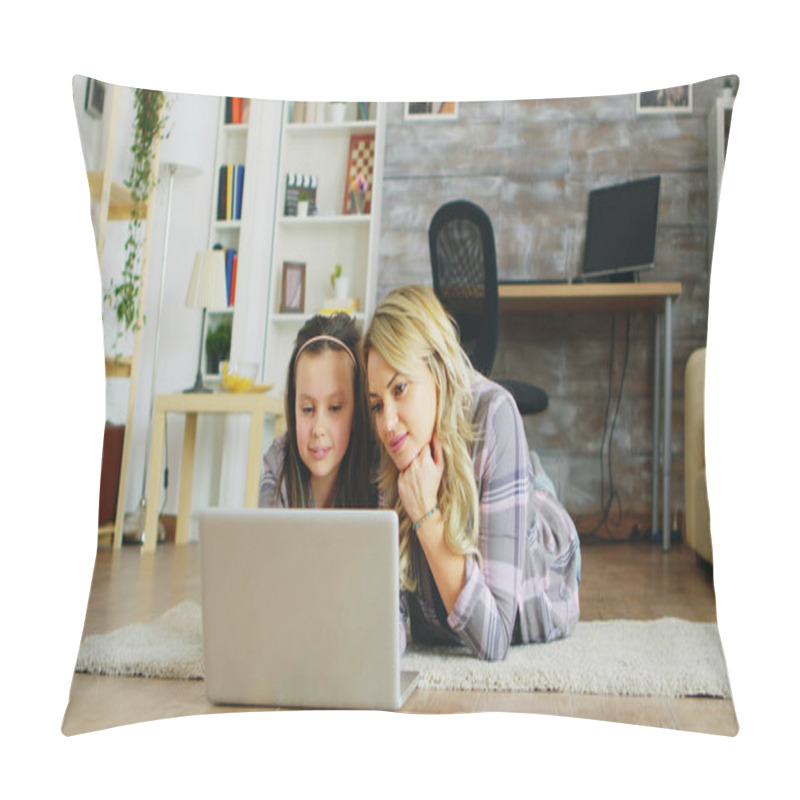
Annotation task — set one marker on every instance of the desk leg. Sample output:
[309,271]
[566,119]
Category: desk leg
[154,482]
[666,527]
[654,505]
[254,460]
[187,468]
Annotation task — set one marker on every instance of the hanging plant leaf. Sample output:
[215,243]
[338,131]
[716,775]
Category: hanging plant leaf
[124,297]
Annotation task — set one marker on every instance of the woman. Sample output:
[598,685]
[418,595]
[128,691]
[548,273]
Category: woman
[488,556]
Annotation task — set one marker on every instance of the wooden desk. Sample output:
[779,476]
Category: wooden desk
[191,404]
[652,297]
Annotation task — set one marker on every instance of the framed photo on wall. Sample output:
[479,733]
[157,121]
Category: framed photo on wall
[293,287]
[95,97]
[431,111]
[676,100]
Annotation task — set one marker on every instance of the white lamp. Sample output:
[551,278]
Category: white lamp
[206,290]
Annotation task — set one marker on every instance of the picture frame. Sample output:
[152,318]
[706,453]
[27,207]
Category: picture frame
[95,97]
[428,112]
[675,100]
[293,287]
[360,168]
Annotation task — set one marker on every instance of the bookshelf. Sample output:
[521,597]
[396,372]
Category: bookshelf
[226,217]
[319,149]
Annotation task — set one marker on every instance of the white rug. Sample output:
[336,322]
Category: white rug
[666,657]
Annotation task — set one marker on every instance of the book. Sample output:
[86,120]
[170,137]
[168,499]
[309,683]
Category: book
[335,305]
[221,192]
[237,214]
[230,259]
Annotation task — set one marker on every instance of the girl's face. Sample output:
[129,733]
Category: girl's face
[324,405]
[404,409]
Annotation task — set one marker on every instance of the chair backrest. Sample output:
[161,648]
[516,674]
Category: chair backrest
[464,264]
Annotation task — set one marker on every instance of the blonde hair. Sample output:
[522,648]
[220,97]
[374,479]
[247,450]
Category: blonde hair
[408,326]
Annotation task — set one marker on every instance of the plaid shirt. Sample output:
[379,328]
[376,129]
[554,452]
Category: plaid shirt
[526,588]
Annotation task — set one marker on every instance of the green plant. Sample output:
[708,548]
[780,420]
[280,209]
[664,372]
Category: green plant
[124,297]
[304,197]
[218,344]
[337,273]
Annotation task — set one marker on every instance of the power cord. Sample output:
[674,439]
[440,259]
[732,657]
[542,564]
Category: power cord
[613,495]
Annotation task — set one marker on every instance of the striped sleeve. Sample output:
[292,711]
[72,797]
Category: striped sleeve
[484,613]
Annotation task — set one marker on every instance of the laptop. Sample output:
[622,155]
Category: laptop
[300,608]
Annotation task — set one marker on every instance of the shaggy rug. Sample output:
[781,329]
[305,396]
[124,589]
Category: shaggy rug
[665,657]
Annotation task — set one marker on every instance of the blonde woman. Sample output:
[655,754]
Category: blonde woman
[488,556]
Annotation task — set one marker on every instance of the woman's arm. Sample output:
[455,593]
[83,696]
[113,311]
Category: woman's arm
[418,487]
[485,611]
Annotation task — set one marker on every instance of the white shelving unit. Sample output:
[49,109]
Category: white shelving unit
[231,148]
[328,237]
[719,125]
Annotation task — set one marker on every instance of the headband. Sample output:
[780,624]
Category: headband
[326,338]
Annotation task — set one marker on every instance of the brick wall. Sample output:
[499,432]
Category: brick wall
[530,165]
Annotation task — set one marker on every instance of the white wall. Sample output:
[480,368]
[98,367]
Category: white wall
[192,123]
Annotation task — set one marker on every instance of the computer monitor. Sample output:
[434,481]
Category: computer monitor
[621,229]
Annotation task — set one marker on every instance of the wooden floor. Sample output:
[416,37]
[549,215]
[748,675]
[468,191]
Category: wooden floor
[631,581]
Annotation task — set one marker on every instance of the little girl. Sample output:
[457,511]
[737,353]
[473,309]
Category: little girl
[324,459]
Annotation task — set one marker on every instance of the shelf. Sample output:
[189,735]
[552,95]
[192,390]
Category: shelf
[118,367]
[328,127]
[298,319]
[120,205]
[235,127]
[327,219]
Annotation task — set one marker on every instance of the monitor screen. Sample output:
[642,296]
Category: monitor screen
[621,228]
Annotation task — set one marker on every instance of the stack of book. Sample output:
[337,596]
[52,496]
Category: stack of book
[237,110]
[231,263]
[334,305]
[231,189]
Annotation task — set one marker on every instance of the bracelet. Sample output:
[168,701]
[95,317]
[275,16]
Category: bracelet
[427,516]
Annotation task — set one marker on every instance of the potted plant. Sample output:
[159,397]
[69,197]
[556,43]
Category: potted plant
[218,345]
[339,283]
[124,296]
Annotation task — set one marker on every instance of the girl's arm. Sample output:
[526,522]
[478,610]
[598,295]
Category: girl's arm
[269,494]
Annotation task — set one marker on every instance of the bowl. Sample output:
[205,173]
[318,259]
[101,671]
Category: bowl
[238,376]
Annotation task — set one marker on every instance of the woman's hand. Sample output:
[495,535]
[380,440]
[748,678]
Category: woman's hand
[418,484]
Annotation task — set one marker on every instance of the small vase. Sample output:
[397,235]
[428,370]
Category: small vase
[302,208]
[357,202]
[341,288]
[336,112]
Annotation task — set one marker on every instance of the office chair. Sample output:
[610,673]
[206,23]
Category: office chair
[464,263]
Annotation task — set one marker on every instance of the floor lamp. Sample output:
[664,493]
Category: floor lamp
[133,527]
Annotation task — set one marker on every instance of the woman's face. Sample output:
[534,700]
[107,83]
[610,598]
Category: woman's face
[404,410]
[324,405]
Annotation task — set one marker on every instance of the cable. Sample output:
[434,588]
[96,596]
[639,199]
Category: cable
[613,496]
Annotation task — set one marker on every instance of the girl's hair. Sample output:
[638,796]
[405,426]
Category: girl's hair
[353,483]
[410,325]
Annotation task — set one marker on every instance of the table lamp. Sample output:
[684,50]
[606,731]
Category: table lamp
[206,290]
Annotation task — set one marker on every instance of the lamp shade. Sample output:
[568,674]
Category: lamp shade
[207,284]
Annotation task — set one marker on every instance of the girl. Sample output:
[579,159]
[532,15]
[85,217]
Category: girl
[488,556]
[323,460]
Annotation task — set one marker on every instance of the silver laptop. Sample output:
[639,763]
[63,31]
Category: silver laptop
[300,608]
